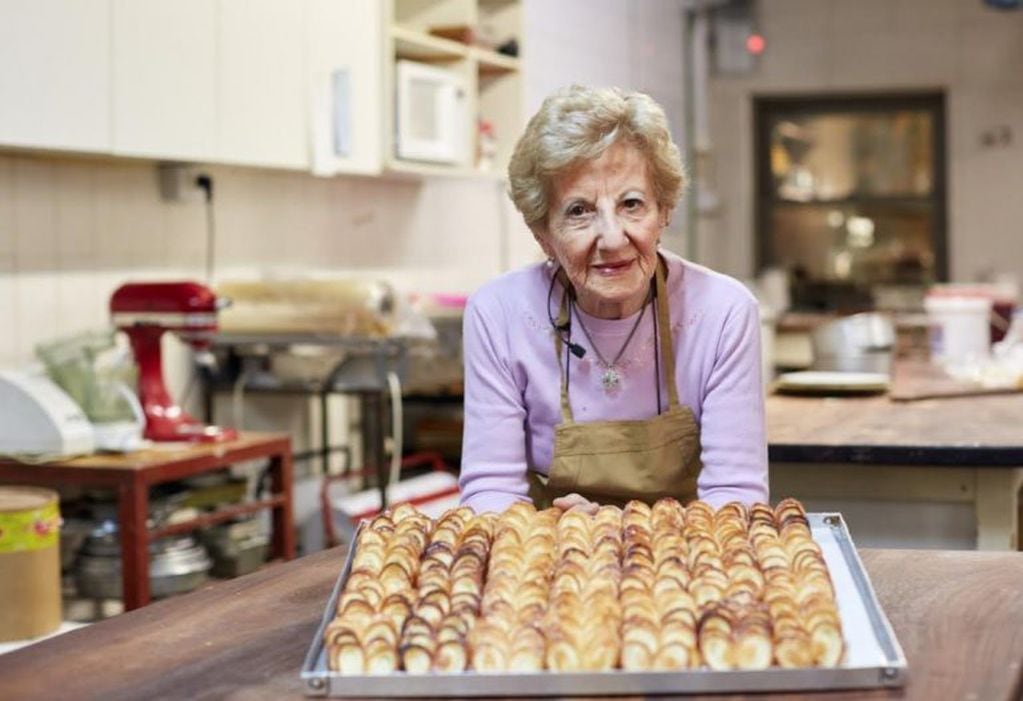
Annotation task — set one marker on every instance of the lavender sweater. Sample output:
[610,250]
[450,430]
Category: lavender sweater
[512,381]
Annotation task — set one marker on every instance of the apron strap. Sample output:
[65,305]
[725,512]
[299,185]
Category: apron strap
[664,329]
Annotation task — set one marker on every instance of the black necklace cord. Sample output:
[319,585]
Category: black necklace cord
[550,294]
[657,355]
[628,339]
[568,350]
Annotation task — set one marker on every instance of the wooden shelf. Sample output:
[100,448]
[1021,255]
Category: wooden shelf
[221,515]
[417,46]
[493,63]
[400,169]
[493,82]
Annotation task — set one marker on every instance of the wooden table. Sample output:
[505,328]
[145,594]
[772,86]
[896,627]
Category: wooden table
[967,449]
[958,616]
[131,475]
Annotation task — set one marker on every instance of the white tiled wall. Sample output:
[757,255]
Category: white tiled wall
[974,53]
[72,230]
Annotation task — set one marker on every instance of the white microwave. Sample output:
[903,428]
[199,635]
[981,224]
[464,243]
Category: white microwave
[432,121]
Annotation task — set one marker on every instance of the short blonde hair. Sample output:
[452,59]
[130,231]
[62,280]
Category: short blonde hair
[578,124]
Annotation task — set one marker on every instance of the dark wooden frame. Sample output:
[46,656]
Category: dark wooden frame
[766,107]
[131,476]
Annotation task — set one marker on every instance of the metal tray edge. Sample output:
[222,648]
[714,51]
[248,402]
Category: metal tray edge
[469,685]
[315,679]
[895,673]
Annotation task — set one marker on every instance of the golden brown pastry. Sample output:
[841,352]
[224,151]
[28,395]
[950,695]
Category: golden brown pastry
[646,587]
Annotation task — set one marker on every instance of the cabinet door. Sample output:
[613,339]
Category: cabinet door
[165,64]
[55,74]
[262,97]
[345,74]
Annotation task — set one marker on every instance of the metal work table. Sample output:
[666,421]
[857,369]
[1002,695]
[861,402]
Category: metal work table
[361,372]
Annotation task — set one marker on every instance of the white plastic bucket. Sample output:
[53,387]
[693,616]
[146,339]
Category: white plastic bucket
[959,327]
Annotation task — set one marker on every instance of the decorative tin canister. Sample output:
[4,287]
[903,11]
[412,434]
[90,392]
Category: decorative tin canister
[29,562]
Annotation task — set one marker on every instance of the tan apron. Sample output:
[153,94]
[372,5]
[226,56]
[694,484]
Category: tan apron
[611,462]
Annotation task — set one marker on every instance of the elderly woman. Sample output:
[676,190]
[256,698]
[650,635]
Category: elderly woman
[616,370]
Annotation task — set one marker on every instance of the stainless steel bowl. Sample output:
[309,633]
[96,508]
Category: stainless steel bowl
[176,565]
[857,343]
[73,534]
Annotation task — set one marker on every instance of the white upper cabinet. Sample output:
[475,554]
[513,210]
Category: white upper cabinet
[345,91]
[55,74]
[165,80]
[309,85]
[263,88]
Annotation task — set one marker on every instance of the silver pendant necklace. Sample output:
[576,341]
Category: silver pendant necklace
[611,379]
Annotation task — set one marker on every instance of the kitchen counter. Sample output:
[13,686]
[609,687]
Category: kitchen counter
[951,450]
[985,430]
[958,616]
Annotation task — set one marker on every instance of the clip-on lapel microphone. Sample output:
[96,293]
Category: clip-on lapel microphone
[563,324]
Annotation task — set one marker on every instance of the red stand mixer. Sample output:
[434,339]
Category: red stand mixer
[144,311]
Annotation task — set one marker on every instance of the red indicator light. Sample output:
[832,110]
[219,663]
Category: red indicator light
[755,44]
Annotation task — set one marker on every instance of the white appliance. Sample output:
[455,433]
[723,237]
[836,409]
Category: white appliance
[432,123]
[38,419]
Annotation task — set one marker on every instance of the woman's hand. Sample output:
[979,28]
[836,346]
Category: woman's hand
[576,502]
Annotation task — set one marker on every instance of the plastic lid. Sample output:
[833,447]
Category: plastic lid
[17,499]
[997,292]
[948,303]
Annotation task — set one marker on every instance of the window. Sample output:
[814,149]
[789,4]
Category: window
[851,195]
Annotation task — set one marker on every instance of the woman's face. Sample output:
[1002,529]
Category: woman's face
[602,228]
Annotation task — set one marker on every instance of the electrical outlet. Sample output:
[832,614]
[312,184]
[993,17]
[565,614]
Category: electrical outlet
[998,136]
[178,182]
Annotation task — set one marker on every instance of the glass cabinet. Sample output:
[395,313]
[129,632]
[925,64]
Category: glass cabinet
[851,194]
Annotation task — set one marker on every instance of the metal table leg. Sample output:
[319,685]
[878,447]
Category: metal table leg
[371,421]
[325,430]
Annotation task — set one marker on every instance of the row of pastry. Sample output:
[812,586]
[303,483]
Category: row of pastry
[583,617]
[449,594]
[509,635]
[378,597]
[659,612]
[798,592]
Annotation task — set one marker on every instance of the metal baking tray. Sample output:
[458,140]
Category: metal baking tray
[873,655]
